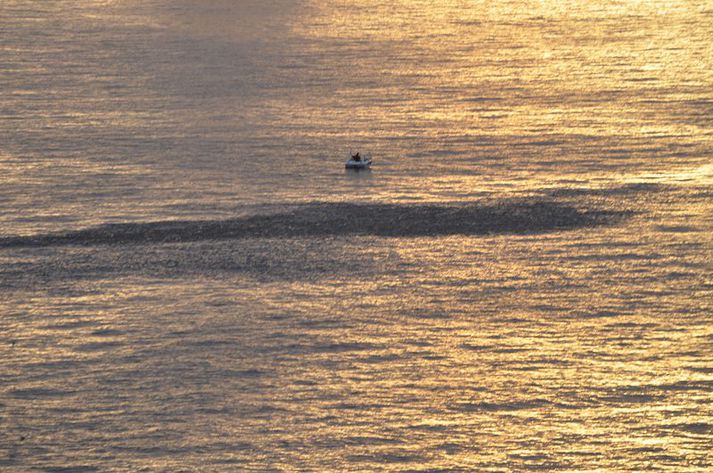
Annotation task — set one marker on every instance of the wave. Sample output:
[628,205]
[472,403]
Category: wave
[340,219]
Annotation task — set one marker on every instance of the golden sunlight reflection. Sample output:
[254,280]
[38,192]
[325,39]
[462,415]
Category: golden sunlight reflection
[190,280]
[700,176]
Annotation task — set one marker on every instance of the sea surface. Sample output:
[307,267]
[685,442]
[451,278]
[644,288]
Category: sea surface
[191,281]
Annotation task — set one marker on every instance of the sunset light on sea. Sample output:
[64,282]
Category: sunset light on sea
[521,280]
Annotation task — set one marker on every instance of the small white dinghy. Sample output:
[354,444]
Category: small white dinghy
[357,161]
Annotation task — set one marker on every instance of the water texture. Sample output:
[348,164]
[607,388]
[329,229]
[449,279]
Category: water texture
[191,281]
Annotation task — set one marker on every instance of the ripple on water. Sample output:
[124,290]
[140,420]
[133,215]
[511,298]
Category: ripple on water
[501,406]
[38,392]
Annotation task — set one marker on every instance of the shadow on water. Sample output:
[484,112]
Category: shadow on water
[337,219]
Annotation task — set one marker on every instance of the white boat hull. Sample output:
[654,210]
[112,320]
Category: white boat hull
[362,164]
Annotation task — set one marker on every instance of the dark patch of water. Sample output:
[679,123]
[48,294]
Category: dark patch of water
[341,219]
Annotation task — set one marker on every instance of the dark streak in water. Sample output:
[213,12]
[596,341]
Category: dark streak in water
[340,219]
[628,189]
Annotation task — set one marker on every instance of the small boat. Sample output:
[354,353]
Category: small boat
[357,161]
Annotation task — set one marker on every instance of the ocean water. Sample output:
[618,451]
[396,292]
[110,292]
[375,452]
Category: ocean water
[190,281]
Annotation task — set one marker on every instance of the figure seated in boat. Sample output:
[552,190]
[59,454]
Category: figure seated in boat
[357,161]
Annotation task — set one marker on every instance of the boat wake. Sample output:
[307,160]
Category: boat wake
[341,219]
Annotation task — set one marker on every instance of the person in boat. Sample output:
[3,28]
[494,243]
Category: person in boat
[356,157]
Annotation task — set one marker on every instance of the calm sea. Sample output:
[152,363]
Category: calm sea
[190,281]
